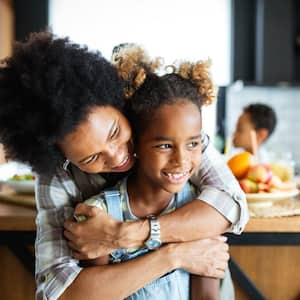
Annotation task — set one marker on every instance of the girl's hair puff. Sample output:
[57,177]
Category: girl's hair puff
[133,64]
[199,74]
[187,81]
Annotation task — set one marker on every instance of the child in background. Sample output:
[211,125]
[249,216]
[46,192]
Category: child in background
[166,112]
[260,119]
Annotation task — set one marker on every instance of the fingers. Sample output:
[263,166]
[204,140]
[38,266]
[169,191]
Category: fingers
[219,274]
[221,238]
[74,247]
[69,235]
[70,226]
[86,210]
[220,269]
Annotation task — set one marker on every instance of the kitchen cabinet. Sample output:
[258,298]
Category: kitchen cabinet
[266,41]
[268,253]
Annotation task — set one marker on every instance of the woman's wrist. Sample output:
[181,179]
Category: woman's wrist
[132,234]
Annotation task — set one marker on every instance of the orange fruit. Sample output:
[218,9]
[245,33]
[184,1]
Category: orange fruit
[240,164]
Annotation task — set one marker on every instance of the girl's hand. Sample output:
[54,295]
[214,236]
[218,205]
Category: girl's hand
[207,257]
[95,237]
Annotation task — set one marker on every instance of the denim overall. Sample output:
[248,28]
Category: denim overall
[172,286]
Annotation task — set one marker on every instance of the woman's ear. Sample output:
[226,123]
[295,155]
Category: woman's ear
[262,134]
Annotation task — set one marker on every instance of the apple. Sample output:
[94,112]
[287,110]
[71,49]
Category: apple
[260,173]
[277,184]
[263,187]
[248,186]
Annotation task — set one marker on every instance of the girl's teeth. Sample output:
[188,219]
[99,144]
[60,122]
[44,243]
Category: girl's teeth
[177,175]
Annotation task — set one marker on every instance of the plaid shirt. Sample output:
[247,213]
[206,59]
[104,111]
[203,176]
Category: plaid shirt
[57,196]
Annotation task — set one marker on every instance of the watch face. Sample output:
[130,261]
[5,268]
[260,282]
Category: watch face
[153,244]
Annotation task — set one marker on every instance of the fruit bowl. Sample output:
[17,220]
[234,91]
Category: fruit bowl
[267,199]
[21,186]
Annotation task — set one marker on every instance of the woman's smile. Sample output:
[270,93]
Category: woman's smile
[125,164]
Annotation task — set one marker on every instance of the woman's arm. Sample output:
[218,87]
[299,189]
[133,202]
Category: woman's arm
[205,257]
[53,199]
[197,220]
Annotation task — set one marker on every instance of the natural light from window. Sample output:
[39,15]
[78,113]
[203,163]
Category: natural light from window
[172,29]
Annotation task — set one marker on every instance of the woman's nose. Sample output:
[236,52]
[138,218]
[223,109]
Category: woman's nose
[114,155]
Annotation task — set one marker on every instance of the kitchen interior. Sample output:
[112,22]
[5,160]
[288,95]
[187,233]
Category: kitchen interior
[264,66]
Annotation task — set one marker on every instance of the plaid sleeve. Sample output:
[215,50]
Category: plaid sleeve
[55,267]
[219,188]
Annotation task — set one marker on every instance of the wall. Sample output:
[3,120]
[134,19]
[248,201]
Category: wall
[6,38]
[286,103]
[6,27]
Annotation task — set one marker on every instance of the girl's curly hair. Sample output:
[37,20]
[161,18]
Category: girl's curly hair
[133,64]
[146,90]
[47,87]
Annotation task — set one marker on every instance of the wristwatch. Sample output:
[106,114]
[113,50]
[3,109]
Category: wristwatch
[153,242]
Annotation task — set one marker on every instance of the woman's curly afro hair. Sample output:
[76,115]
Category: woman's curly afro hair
[47,87]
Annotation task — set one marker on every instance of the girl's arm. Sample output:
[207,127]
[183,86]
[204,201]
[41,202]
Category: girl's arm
[204,288]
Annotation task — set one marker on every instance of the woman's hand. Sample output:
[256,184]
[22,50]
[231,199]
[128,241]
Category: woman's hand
[95,237]
[101,234]
[207,257]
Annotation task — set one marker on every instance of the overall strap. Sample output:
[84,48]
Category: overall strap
[114,208]
[113,202]
[184,195]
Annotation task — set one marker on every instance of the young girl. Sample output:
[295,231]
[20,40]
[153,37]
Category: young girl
[166,112]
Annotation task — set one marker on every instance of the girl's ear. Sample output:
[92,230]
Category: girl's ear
[262,134]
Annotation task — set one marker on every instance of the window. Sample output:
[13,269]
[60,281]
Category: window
[172,29]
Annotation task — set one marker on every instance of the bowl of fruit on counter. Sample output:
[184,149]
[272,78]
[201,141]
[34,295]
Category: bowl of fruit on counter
[262,183]
[23,184]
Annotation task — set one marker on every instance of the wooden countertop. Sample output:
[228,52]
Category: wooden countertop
[19,217]
[15,217]
[279,224]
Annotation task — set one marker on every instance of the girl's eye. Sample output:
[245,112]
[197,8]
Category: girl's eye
[115,132]
[164,146]
[193,144]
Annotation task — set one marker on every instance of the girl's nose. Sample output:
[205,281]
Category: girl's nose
[179,157]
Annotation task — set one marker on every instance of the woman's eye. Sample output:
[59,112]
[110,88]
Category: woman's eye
[91,159]
[115,132]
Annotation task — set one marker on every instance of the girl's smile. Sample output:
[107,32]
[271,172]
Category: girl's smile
[177,177]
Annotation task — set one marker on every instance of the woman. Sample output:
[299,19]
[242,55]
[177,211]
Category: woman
[61,103]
